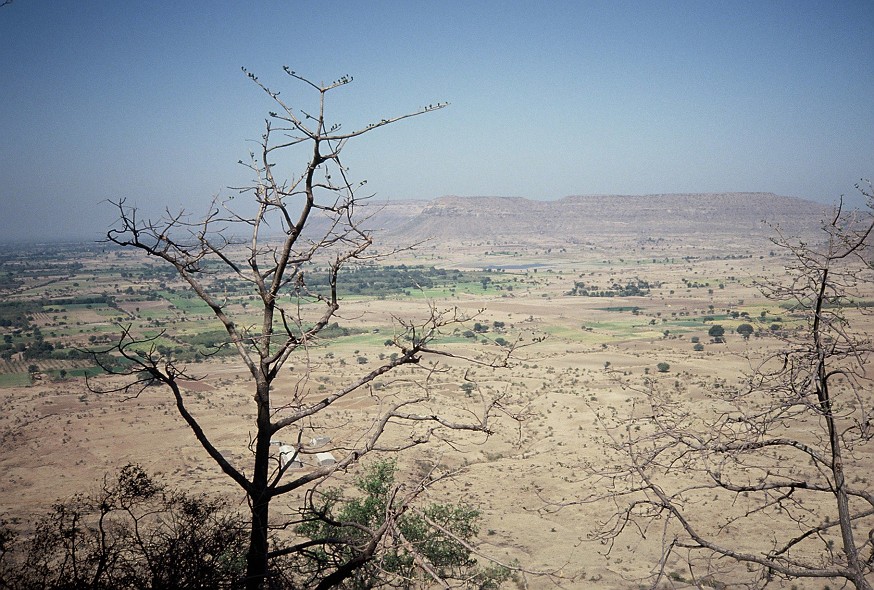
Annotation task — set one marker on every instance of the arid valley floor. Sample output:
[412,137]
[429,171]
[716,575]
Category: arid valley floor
[535,480]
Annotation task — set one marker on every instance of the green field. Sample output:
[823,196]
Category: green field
[86,309]
[15,379]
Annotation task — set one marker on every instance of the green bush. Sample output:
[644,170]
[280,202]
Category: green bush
[342,532]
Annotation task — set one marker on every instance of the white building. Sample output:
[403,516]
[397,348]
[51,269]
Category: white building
[323,459]
[288,454]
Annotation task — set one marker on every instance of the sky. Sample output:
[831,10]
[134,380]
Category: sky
[146,101]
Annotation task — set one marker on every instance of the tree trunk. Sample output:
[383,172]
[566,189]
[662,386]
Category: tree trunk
[256,557]
[837,463]
[259,496]
[843,504]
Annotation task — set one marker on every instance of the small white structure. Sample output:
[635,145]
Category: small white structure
[319,441]
[325,459]
[288,454]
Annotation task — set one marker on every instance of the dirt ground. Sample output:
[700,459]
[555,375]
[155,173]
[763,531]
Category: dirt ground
[60,438]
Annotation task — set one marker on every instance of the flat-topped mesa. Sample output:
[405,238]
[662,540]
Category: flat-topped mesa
[585,217]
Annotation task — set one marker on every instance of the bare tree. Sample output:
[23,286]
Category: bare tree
[771,474]
[312,217]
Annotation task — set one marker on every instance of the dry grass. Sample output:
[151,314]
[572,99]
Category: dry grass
[59,438]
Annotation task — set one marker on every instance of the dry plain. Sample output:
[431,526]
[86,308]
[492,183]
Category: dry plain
[59,437]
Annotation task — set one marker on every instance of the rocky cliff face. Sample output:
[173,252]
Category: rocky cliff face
[583,218]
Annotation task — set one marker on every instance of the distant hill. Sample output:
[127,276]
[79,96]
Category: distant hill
[576,219]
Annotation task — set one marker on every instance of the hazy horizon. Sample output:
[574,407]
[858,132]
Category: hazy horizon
[104,100]
[100,238]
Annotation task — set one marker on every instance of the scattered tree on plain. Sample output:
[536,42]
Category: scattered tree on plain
[717,332]
[745,330]
[315,215]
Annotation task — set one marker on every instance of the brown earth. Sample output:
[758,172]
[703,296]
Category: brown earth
[706,251]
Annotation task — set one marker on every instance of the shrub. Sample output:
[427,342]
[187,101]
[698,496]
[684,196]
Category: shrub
[132,533]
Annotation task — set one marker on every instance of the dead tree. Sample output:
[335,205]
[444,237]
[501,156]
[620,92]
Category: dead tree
[299,226]
[772,474]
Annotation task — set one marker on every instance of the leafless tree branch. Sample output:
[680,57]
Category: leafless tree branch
[779,447]
[301,224]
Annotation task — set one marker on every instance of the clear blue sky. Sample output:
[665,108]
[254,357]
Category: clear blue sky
[145,100]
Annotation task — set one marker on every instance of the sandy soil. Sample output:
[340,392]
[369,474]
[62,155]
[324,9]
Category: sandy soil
[60,438]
